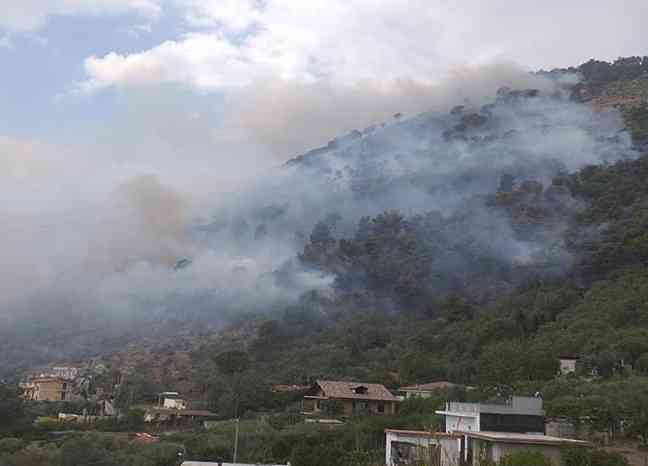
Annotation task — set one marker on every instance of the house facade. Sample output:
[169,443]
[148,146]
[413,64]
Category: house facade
[516,414]
[171,400]
[410,447]
[47,389]
[354,398]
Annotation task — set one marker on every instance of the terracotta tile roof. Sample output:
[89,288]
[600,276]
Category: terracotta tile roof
[350,390]
[429,387]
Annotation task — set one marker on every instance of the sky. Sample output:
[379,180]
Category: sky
[116,73]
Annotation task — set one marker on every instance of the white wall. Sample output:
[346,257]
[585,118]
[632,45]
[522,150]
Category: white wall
[567,366]
[174,403]
[464,423]
[449,447]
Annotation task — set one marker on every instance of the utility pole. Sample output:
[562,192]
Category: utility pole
[236,436]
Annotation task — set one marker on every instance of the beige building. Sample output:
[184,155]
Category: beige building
[47,389]
[355,397]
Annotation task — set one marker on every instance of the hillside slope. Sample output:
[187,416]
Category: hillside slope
[411,251]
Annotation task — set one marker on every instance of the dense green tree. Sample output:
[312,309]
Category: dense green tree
[12,410]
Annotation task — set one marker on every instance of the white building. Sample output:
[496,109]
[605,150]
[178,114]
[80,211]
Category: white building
[410,446]
[171,400]
[568,364]
[517,414]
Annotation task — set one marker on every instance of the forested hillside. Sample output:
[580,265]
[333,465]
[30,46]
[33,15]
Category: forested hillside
[514,227]
[475,246]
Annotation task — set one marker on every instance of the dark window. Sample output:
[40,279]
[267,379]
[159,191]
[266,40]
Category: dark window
[381,407]
[360,406]
[511,423]
[361,390]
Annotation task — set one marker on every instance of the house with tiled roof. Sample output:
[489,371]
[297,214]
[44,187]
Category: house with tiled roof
[351,397]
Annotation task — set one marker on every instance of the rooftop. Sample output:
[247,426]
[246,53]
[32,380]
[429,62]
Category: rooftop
[422,433]
[527,439]
[355,390]
[212,463]
[48,378]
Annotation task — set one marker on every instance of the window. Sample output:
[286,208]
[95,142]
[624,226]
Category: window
[381,407]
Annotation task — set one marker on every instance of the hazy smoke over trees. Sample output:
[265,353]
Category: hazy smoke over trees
[91,253]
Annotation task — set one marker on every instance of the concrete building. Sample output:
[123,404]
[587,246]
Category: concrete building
[426,390]
[568,364]
[355,397]
[492,446]
[408,447]
[516,414]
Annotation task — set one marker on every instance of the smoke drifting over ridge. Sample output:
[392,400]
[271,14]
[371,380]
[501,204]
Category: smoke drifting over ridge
[289,118]
[109,253]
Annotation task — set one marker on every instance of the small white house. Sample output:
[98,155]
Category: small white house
[568,364]
[410,446]
[171,400]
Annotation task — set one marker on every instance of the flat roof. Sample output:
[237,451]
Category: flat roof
[457,413]
[422,433]
[213,463]
[527,439]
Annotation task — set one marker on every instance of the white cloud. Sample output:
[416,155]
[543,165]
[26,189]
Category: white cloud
[348,41]
[230,14]
[31,15]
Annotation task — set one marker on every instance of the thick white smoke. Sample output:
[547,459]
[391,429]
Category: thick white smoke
[185,213]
